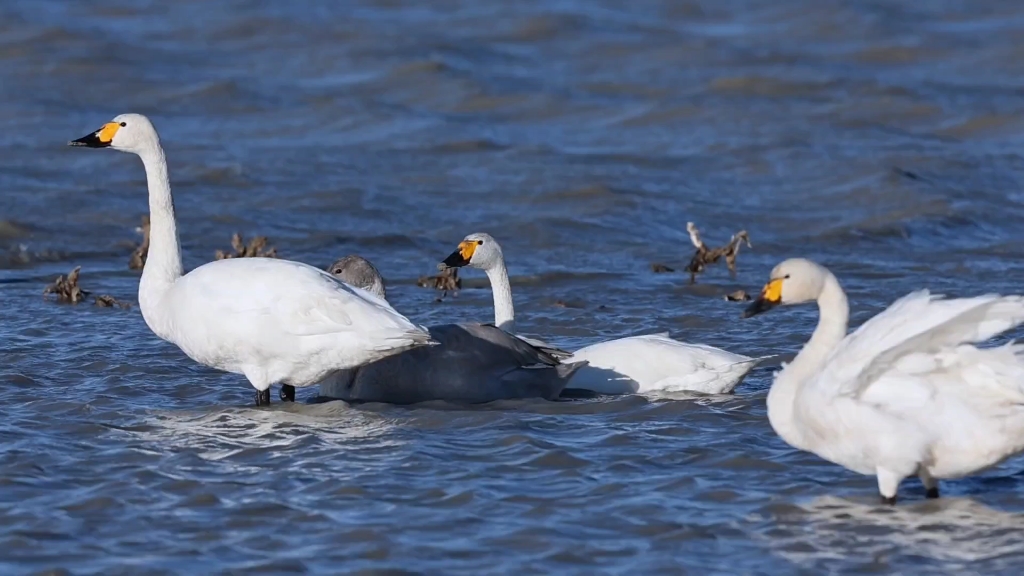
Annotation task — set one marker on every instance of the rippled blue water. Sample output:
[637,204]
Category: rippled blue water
[882,139]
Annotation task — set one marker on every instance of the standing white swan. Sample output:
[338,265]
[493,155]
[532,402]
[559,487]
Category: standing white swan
[637,364]
[274,321]
[906,393]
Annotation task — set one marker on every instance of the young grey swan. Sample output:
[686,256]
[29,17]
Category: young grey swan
[357,271]
[473,363]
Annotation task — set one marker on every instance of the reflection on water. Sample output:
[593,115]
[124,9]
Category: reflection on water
[221,434]
[962,533]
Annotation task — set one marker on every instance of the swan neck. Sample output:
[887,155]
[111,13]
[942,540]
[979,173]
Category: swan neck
[504,311]
[163,261]
[834,314]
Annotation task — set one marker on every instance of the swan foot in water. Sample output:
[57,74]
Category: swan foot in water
[263,397]
[287,393]
[931,485]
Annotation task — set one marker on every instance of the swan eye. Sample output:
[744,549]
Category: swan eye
[123,124]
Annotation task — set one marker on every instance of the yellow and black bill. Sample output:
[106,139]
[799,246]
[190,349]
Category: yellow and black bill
[462,255]
[771,296]
[100,138]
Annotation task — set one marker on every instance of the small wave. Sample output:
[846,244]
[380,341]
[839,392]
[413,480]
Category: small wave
[959,531]
[774,87]
[467,146]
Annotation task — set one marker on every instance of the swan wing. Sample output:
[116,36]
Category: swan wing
[300,300]
[543,346]
[908,335]
[526,351]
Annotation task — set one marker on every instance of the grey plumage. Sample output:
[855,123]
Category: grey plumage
[357,271]
[472,363]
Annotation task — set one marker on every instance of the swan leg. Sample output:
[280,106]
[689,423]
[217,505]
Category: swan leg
[263,397]
[287,393]
[260,382]
[888,484]
[931,485]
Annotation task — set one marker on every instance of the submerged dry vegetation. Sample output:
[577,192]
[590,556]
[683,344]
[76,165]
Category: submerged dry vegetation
[66,289]
[704,256]
[256,248]
[137,261]
[446,280]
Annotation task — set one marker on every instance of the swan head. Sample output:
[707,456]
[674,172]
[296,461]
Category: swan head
[478,250]
[127,132]
[794,281]
[357,271]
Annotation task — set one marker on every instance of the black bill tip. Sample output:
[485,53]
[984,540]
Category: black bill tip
[90,141]
[758,306]
[455,260]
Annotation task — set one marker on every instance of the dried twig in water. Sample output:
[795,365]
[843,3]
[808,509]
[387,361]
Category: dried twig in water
[255,248]
[110,302]
[447,281]
[704,256]
[67,289]
[138,258]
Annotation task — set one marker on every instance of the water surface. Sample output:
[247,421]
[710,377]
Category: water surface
[882,139]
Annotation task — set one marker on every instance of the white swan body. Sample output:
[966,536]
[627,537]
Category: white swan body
[906,393]
[472,363]
[274,321]
[636,364]
[657,363]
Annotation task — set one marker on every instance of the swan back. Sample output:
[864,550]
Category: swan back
[472,363]
[656,362]
[280,321]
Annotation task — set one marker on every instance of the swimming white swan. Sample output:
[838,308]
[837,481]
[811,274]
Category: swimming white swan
[906,393]
[473,363]
[273,321]
[637,364]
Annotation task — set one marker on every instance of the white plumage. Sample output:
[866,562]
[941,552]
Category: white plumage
[905,394]
[657,363]
[274,321]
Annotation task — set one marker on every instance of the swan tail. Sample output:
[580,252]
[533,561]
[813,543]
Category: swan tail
[733,374]
[565,371]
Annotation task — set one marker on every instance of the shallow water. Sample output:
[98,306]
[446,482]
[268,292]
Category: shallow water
[882,139]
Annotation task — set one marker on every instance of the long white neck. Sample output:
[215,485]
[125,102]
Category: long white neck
[163,262]
[504,311]
[834,315]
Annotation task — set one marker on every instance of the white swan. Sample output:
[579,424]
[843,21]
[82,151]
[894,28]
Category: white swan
[274,321]
[637,364]
[906,393]
[472,363]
